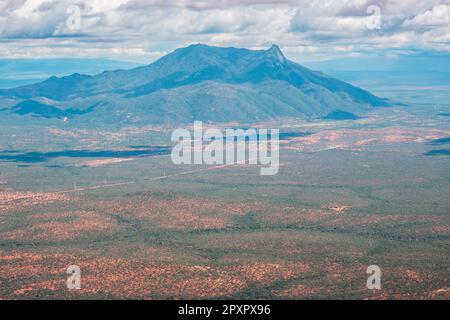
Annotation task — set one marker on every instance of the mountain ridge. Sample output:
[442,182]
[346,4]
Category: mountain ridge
[199,82]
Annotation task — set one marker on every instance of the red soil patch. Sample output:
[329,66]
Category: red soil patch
[13,200]
[351,138]
[122,278]
[84,223]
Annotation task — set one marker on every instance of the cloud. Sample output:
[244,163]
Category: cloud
[437,16]
[142,29]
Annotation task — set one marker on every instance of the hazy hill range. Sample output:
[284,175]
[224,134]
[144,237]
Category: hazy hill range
[198,82]
[20,72]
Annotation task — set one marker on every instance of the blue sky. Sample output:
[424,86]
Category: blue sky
[143,30]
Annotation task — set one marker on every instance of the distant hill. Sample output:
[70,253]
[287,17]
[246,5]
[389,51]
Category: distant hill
[341,115]
[199,82]
[383,73]
[440,141]
[412,62]
[19,72]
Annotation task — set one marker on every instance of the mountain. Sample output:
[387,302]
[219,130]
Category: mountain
[198,82]
[341,115]
[19,72]
[380,72]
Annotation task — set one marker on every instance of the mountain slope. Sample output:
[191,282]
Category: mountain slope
[196,83]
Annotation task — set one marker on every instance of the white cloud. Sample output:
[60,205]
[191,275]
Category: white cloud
[139,28]
[438,16]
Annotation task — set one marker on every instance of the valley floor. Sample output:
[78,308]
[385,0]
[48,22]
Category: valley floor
[348,195]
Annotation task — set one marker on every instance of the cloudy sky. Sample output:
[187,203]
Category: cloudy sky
[143,30]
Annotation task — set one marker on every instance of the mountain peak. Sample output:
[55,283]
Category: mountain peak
[275,47]
[276,53]
[197,45]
